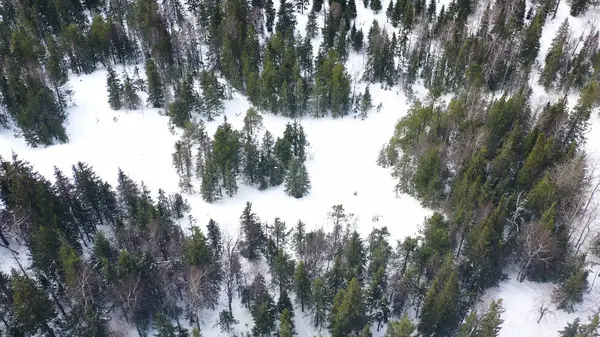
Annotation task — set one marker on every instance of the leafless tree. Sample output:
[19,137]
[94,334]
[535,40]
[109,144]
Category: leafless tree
[232,266]
[543,308]
[316,249]
[197,291]
[538,247]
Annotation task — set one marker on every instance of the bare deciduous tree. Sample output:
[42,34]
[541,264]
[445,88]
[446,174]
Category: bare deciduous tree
[232,266]
[538,247]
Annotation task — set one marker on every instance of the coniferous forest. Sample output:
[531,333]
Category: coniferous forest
[509,181]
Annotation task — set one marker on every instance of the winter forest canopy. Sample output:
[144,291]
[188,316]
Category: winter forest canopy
[494,144]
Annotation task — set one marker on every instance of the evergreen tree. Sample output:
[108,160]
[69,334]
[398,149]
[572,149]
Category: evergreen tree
[254,237]
[297,183]
[402,328]
[348,313]
[577,329]
[568,294]
[31,306]
[555,56]
[579,7]
[376,5]
[320,302]
[131,100]
[212,95]
[311,26]
[530,42]
[438,313]
[286,325]
[156,89]
[366,104]
[115,90]
[270,15]
[302,286]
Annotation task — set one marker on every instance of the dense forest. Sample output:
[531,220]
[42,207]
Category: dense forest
[510,183]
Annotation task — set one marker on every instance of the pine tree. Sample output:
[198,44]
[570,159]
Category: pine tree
[286,325]
[402,328]
[577,329]
[351,9]
[254,237]
[376,6]
[389,12]
[156,89]
[115,90]
[212,95]
[366,104]
[311,26]
[555,56]
[31,306]
[131,100]
[530,42]
[438,313]
[270,15]
[579,7]
[302,286]
[568,294]
[297,183]
[264,315]
[348,312]
[320,302]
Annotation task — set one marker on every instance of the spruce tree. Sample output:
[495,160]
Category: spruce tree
[131,100]
[253,234]
[570,293]
[156,89]
[302,286]
[366,104]
[320,302]
[376,6]
[31,306]
[402,328]
[555,56]
[348,312]
[297,182]
[286,325]
[212,95]
[270,15]
[115,89]
[579,7]
[311,26]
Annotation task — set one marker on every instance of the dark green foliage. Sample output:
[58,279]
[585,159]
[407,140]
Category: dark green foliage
[568,294]
[578,329]
[115,89]
[31,306]
[254,236]
[302,286]
[348,311]
[376,5]
[212,95]
[297,183]
[131,100]
[579,7]
[156,89]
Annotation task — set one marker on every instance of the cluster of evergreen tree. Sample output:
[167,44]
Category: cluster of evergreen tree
[509,181]
[231,154]
[99,253]
[189,42]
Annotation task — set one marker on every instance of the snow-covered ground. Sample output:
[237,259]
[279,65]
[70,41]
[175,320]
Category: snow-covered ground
[341,164]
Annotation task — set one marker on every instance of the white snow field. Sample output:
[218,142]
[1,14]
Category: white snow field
[341,164]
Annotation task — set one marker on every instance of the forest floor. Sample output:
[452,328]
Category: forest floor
[341,163]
